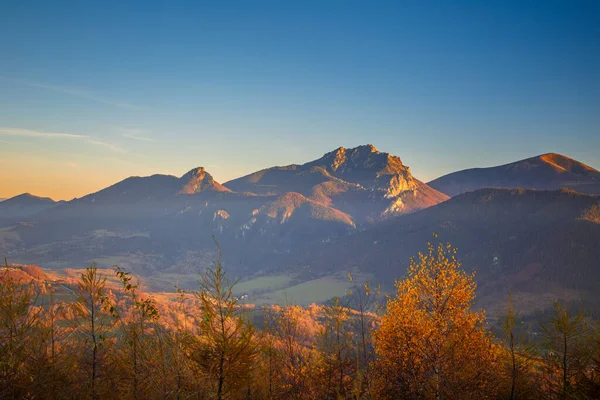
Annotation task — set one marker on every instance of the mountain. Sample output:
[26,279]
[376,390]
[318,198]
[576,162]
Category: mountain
[155,188]
[362,182]
[24,205]
[198,180]
[168,222]
[546,172]
[538,244]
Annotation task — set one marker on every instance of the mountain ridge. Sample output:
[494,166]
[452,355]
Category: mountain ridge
[345,178]
[549,171]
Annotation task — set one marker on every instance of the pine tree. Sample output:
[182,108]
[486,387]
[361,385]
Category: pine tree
[93,326]
[520,357]
[227,346]
[567,349]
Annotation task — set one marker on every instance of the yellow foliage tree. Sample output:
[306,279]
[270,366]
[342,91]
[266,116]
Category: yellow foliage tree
[430,345]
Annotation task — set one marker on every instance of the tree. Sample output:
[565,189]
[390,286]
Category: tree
[364,301]
[519,357]
[136,316]
[226,348]
[291,362]
[338,352]
[430,344]
[94,324]
[19,321]
[567,349]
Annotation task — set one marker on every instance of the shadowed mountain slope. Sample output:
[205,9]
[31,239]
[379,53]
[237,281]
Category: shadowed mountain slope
[536,243]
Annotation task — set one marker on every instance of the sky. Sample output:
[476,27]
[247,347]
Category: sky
[94,92]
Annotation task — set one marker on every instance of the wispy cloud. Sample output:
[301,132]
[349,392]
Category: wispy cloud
[71,164]
[30,133]
[83,94]
[56,135]
[111,146]
[137,134]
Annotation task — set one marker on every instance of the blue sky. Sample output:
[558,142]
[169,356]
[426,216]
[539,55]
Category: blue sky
[93,92]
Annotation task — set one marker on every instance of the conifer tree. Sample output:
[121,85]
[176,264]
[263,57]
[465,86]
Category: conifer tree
[18,329]
[520,357]
[227,347]
[93,326]
[567,350]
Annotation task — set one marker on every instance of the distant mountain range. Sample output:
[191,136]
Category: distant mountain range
[276,210]
[352,209]
[546,172]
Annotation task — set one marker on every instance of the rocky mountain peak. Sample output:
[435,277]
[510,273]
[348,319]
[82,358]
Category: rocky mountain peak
[199,180]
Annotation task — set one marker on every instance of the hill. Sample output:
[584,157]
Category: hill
[546,172]
[539,244]
[24,205]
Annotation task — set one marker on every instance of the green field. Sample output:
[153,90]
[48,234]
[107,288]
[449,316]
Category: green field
[267,283]
[314,291]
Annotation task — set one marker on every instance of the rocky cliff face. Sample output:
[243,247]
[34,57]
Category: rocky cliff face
[198,180]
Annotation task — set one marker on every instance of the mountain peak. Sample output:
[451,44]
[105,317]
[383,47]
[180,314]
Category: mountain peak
[361,162]
[563,163]
[199,180]
[548,171]
[30,198]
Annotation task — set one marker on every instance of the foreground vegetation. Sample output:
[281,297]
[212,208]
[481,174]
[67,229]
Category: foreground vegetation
[424,342]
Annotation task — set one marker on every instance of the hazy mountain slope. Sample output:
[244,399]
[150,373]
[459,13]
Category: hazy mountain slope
[548,172]
[532,242]
[362,182]
[24,205]
[169,222]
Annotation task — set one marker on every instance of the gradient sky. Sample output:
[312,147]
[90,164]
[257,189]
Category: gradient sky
[93,92]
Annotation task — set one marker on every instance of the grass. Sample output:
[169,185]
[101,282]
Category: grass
[315,291]
[267,283]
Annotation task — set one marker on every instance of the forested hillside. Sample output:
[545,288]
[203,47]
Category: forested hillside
[101,336]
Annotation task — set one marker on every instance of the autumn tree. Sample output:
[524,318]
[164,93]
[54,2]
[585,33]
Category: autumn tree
[93,327]
[591,382]
[338,352]
[226,349]
[290,363]
[52,367]
[363,299]
[519,358]
[430,344]
[567,350]
[18,328]
[135,316]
